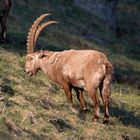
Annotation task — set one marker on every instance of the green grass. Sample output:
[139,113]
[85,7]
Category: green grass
[28,94]
[22,98]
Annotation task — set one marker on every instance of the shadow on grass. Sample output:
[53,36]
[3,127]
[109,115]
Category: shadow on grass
[6,88]
[126,117]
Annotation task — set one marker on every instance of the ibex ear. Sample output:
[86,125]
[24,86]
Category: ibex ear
[42,54]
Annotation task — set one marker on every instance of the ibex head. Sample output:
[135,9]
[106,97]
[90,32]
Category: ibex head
[32,64]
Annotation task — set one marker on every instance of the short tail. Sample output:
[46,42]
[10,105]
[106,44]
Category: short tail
[105,87]
[109,71]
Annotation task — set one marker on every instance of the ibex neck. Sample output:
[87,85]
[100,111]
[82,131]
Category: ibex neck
[46,61]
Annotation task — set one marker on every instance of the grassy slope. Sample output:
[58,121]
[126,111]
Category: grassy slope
[21,98]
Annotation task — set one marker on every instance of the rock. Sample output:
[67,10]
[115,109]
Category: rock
[106,10]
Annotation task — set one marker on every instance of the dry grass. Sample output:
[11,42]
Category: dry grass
[26,110]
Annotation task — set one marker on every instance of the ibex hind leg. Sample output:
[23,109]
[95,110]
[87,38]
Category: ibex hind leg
[105,91]
[92,92]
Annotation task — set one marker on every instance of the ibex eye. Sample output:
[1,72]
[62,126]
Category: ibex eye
[29,58]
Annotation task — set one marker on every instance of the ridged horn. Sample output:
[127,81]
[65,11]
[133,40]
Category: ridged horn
[41,27]
[32,34]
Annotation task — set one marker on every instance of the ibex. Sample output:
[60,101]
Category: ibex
[72,69]
[5,6]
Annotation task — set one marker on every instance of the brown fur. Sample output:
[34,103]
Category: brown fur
[77,69]
[5,6]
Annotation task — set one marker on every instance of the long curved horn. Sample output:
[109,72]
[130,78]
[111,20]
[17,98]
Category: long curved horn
[32,33]
[41,27]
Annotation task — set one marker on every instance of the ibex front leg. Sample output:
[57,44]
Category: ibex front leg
[105,90]
[67,89]
[93,96]
[80,97]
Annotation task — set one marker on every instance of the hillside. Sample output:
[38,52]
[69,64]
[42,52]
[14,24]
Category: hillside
[36,108]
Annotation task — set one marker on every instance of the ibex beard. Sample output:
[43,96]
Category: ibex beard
[72,69]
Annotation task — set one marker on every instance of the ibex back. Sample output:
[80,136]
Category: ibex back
[77,69]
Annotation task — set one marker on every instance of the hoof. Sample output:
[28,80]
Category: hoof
[95,119]
[84,110]
[106,121]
